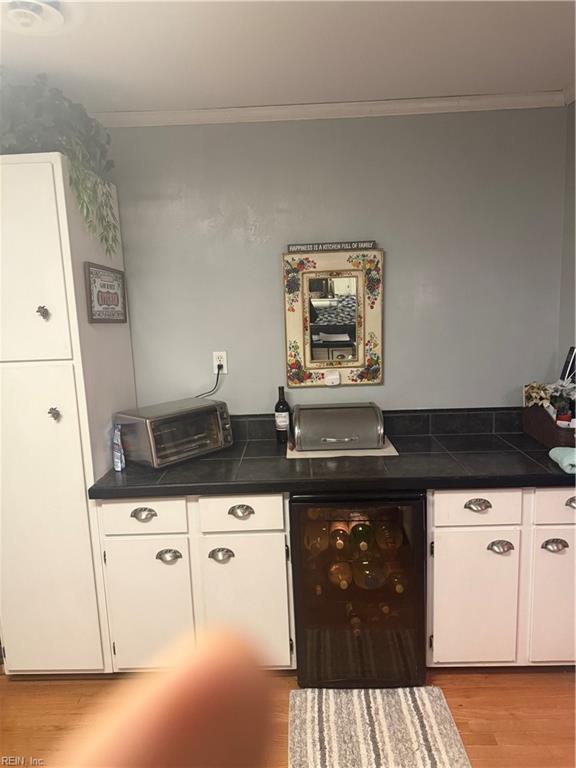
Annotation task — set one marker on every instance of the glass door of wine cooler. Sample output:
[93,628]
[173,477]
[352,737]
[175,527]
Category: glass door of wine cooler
[359,589]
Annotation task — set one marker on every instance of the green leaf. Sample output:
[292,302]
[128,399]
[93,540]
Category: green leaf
[38,118]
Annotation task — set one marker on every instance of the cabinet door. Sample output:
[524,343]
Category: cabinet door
[149,593]
[245,589]
[31,272]
[475,595]
[554,573]
[48,603]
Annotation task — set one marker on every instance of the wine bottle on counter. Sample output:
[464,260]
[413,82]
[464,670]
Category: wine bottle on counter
[282,417]
[361,533]
[340,574]
[339,536]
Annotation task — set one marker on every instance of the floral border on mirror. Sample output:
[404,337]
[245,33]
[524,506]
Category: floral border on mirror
[368,368]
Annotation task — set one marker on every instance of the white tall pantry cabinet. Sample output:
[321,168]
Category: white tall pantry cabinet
[61,379]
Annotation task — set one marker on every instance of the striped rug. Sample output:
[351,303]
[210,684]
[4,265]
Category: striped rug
[373,728]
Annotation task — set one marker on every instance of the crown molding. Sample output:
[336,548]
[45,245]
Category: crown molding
[331,111]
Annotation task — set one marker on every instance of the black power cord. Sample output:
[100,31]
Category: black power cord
[219,369]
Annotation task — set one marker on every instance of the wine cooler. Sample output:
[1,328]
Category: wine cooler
[359,580]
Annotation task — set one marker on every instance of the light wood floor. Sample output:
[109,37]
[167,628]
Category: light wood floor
[506,718]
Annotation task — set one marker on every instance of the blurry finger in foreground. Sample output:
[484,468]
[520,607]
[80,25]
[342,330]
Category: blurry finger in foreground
[208,710]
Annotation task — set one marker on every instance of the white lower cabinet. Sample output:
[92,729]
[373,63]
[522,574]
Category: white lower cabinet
[476,594]
[165,576]
[502,594]
[552,615]
[243,586]
[149,594]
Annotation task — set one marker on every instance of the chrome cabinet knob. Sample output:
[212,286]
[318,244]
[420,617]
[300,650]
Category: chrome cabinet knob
[241,511]
[43,311]
[555,545]
[168,556]
[55,413]
[571,502]
[478,505]
[221,555]
[143,514]
[500,546]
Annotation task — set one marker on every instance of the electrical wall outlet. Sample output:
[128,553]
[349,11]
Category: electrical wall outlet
[220,358]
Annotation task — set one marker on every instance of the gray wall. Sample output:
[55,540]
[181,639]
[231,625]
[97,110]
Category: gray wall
[567,288]
[468,207]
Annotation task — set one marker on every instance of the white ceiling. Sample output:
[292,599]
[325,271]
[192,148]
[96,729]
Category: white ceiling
[162,56]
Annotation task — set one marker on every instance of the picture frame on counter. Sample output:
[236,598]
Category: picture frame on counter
[105,294]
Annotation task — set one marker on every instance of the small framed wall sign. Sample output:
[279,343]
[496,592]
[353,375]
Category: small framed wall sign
[105,294]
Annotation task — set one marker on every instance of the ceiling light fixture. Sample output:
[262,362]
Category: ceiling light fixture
[34,17]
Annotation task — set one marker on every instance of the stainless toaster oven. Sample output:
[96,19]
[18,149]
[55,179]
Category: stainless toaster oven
[159,435]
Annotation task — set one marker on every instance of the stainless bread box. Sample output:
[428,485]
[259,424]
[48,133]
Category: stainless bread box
[345,426]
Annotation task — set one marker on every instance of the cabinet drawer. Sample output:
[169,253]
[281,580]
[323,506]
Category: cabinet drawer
[477,507]
[144,516]
[241,513]
[555,506]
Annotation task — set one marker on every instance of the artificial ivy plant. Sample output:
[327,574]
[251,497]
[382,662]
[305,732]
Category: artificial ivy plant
[37,118]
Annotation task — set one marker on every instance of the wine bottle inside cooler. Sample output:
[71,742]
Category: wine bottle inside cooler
[316,536]
[361,534]
[396,578]
[340,574]
[354,619]
[340,536]
[282,417]
[314,580]
[389,535]
[368,573]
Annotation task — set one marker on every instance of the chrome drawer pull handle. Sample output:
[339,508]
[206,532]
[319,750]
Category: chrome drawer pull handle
[500,546]
[339,439]
[241,511]
[221,555]
[169,556]
[143,514]
[55,413]
[478,505]
[43,311]
[555,545]
[571,502]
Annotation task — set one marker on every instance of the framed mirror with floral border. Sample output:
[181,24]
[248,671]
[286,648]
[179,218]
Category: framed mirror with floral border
[333,311]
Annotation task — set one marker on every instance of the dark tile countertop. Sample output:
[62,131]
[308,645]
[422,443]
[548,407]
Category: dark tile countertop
[425,461]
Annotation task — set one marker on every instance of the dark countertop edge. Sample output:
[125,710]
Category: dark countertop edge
[322,485]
